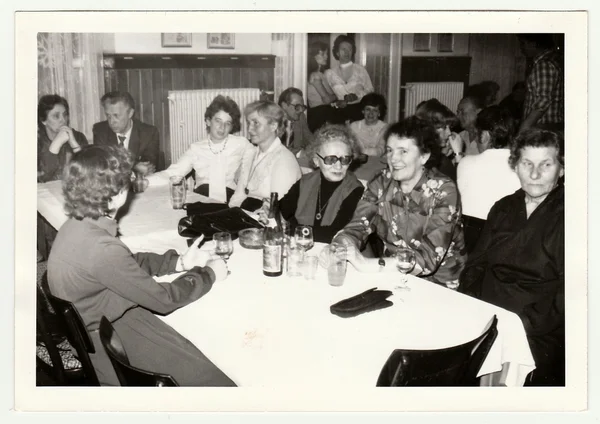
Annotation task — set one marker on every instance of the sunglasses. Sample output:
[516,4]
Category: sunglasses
[299,107]
[332,160]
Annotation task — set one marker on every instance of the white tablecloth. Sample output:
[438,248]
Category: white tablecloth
[269,332]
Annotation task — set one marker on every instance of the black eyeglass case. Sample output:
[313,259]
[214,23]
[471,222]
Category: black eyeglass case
[367,301]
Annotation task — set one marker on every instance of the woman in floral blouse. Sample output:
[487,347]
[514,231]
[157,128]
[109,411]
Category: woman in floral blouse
[410,205]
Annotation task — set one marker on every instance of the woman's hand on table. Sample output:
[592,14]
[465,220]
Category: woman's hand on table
[193,256]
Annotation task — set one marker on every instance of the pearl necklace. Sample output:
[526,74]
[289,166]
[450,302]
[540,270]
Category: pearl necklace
[210,146]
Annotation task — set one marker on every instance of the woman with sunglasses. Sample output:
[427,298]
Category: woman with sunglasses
[325,198]
[410,205]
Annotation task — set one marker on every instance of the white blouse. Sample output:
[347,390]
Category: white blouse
[359,83]
[275,170]
[214,164]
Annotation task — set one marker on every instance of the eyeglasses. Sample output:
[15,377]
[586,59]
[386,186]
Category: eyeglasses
[299,107]
[332,160]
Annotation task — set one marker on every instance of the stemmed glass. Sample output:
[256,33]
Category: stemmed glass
[405,262]
[303,235]
[223,245]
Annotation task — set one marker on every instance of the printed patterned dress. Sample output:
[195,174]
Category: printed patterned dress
[427,220]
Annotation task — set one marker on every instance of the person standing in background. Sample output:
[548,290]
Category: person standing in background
[122,129]
[545,85]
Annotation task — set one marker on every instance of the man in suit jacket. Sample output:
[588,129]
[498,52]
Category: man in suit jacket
[121,128]
[297,135]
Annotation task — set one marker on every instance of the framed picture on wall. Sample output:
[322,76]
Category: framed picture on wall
[224,40]
[422,42]
[176,39]
[445,43]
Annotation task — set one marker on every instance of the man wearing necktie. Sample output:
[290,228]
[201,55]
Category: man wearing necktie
[297,135]
[121,128]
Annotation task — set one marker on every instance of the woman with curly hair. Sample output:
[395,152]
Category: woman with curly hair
[90,267]
[327,197]
[370,130]
[519,261]
[216,160]
[410,205]
[57,141]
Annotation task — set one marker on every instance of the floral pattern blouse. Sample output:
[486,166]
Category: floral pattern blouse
[427,220]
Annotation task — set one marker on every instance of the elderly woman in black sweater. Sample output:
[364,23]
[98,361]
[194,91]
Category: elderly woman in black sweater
[327,197]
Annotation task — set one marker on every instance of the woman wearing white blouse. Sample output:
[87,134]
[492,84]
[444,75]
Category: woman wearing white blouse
[272,168]
[217,160]
[349,81]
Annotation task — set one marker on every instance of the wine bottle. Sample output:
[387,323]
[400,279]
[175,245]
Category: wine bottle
[273,241]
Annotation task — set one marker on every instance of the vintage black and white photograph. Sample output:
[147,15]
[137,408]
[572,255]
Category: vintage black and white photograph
[339,210]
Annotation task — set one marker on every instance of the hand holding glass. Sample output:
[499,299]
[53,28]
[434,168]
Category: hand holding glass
[405,261]
[223,244]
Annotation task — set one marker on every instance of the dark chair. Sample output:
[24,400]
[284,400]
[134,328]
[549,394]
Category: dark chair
[472,228]
[128,375]
[68,318]
[453,366]
[55,362]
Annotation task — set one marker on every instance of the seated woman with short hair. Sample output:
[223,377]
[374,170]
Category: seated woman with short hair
[410,205]
[369,131]
[56,140]
[90,267]
[216,161]
[273,168]
[519,261]
[326,198]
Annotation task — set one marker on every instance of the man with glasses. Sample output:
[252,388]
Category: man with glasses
[297,135]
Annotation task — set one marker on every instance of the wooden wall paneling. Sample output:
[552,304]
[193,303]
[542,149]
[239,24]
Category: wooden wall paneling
[147,97]
[178,79]
[188,79]
[245,78]
[110,80]
[167,84]
[158,102]
[135,82]
[227,78]
[212,78]
[122,80]
[198,79]
[236,77]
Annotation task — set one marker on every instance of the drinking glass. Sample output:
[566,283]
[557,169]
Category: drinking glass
[405,262]
[223,244]
[177,189]
[309,267]
[139,184]
[336,270]
[295,258]
[303,234]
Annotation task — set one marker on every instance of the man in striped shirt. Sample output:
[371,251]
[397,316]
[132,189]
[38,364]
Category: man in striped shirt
[545,99]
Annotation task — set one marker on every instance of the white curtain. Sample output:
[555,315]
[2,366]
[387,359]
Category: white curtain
[290,52]
[70,65]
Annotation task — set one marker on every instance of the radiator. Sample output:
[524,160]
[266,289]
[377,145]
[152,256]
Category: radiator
[448,93]
[186,115]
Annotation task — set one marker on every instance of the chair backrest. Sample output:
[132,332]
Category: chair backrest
[76,334]
[472,228]
[453,366]
[128,375]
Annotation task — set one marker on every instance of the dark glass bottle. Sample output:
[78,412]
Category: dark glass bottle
[273,241]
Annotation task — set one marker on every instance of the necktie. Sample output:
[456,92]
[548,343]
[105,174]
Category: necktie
[122,139]
[289,133]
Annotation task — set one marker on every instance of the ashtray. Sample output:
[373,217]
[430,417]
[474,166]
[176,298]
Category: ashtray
[251,238]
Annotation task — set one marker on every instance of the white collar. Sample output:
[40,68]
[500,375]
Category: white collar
[345,65]
[128,133]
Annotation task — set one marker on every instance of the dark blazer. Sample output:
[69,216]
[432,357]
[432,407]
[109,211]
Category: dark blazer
[143,142]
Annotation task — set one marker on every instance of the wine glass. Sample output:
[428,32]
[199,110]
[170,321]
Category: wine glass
[405,262]
[303,235]
[223,244]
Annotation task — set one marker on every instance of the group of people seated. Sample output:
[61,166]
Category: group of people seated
[513,182]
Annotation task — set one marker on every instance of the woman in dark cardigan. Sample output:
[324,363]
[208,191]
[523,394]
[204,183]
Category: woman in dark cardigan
[326,198]
[56,140]
[90,267]
[518,262]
